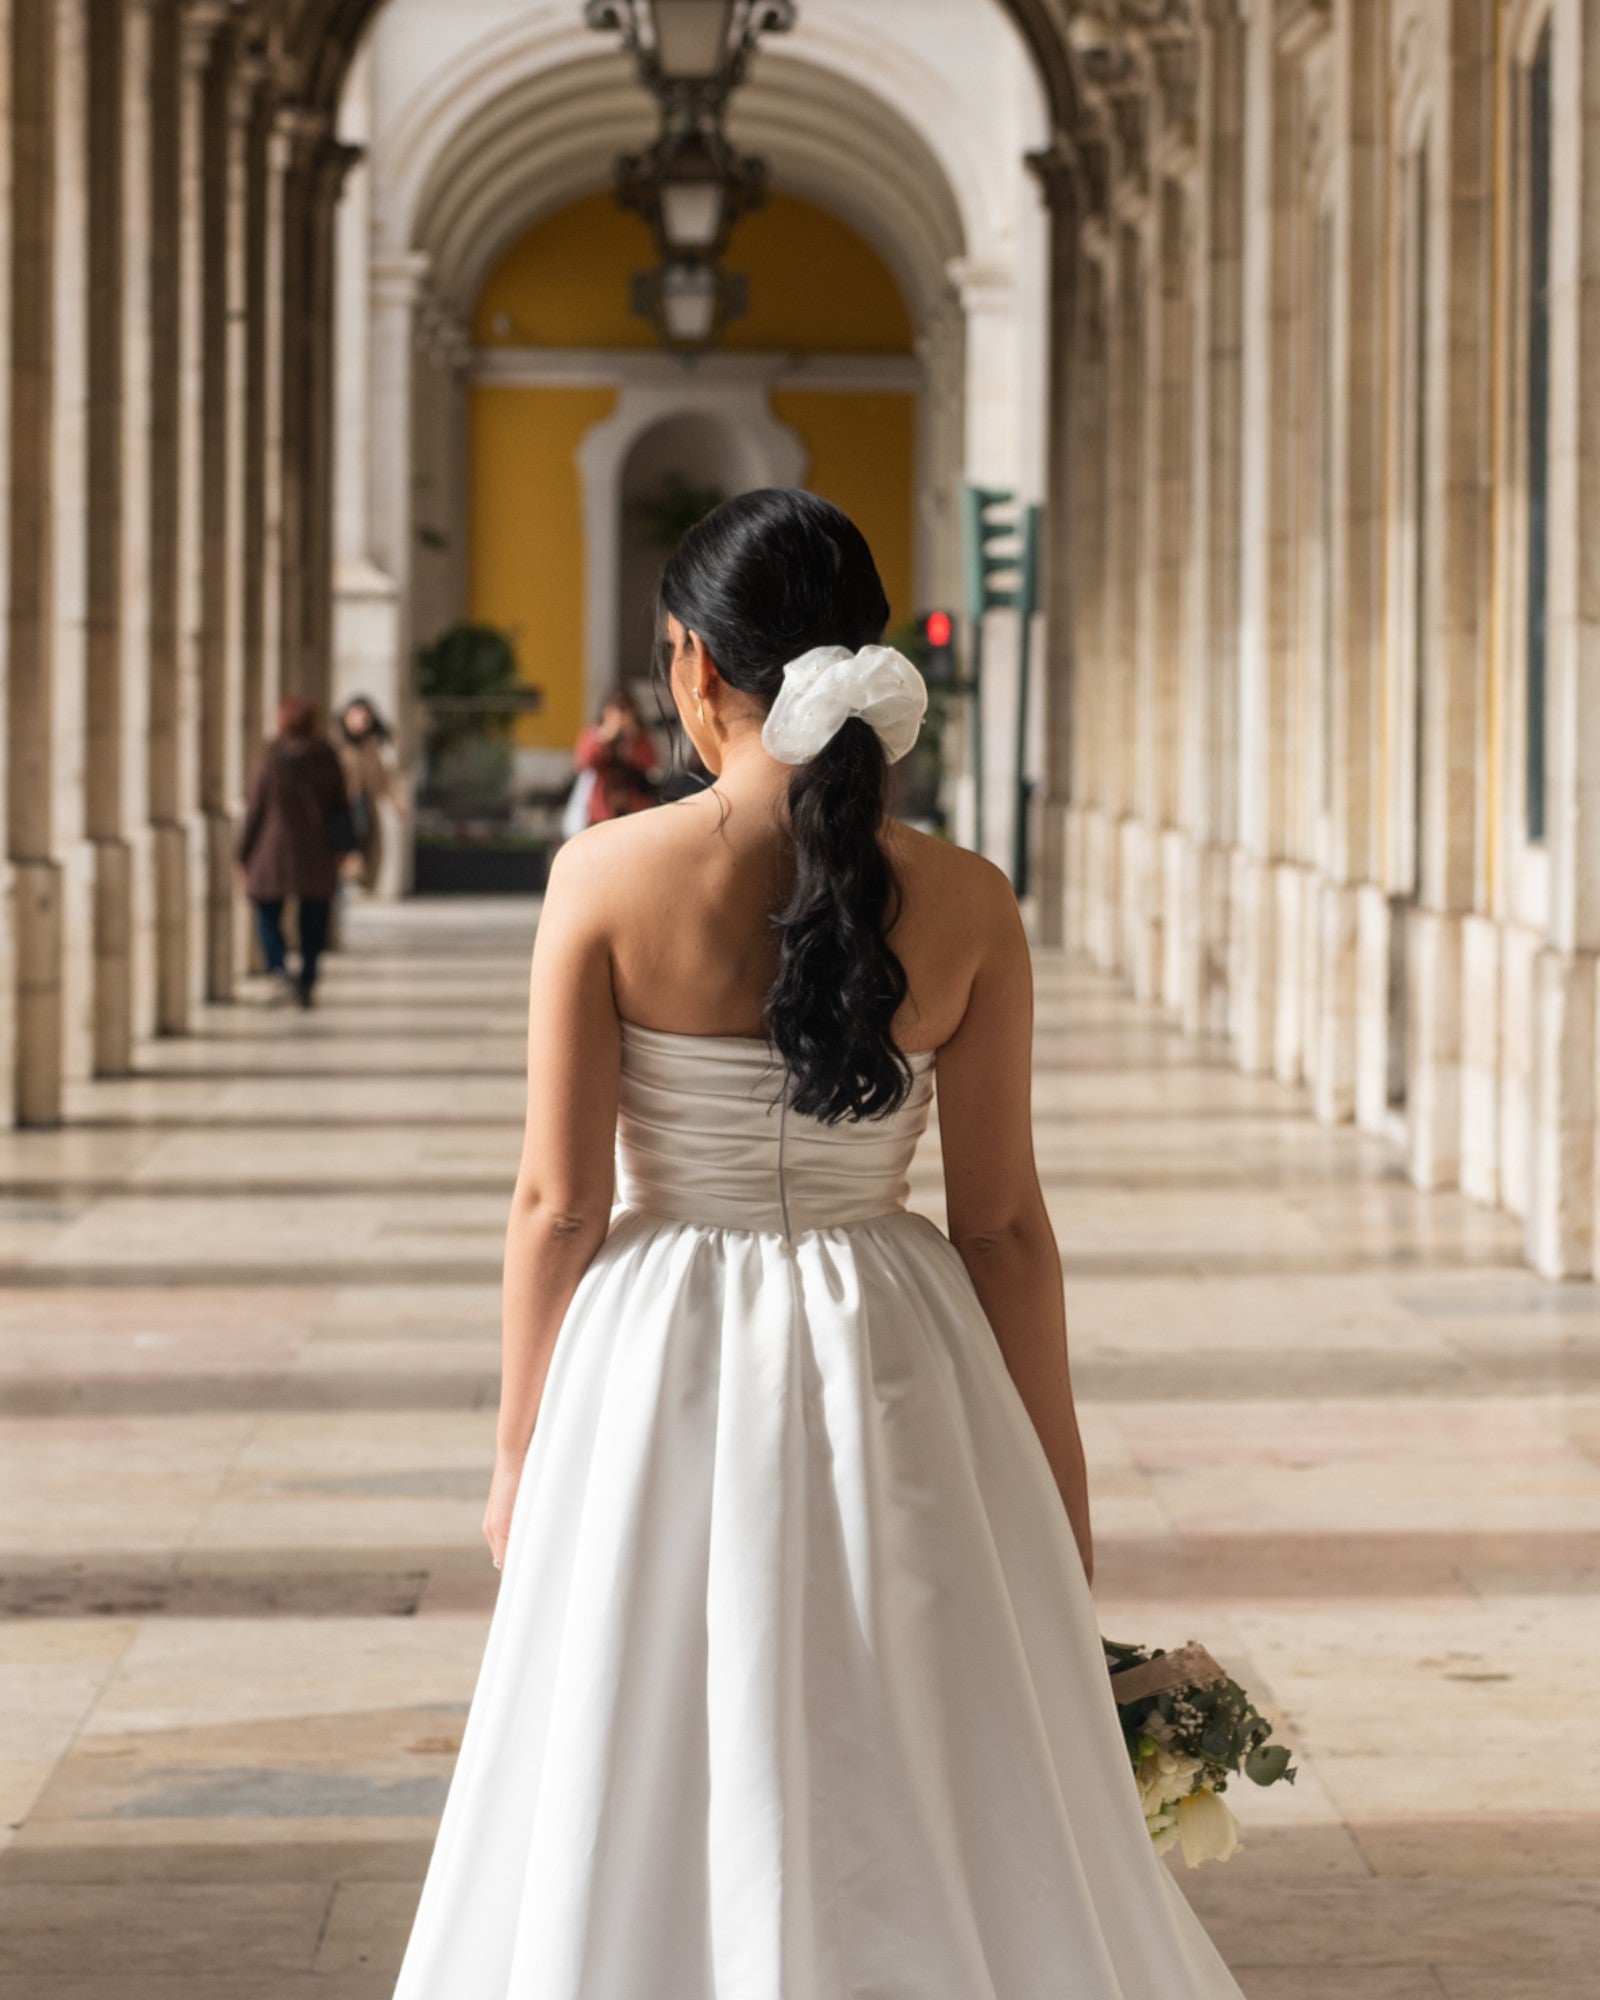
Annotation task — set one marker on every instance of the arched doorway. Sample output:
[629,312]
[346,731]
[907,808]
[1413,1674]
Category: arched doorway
[673,472]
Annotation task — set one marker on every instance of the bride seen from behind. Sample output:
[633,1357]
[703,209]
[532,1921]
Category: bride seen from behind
[794,1689]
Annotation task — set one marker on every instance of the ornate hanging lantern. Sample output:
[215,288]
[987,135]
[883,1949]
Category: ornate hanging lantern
[690,54]
[691,187]
[689,301]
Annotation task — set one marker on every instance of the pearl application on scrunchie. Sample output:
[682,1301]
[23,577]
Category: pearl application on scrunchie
[825,687]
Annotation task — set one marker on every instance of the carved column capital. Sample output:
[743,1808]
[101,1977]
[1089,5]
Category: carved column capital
[201,25]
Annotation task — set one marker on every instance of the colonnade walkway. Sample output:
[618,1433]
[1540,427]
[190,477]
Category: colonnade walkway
[248,1351]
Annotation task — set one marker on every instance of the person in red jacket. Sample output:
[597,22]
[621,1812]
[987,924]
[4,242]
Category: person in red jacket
[618,750]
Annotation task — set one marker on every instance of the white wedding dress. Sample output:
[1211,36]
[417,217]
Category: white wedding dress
[794,1689]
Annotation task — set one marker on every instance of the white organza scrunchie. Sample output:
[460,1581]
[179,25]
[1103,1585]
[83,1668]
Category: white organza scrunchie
[823,688]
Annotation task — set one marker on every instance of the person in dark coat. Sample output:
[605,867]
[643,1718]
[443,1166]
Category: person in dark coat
[295,834]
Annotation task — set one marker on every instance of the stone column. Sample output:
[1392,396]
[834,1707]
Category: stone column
[301,133]
[1458,424]
[115,243]
[1562,1228]
[1057,175]
[944,369]
[1168,574]
[69,497]
[1125,499]
[264,672]
[130,954]
[313,175]
[189,897]
[1355,568]
[988,298]
[1270,553]
[1090,470]
[251,205]
[331,164]
[33,1069]
[938,556]
[171,787]
[1211,664]
[377,479]
[442,352]
[222,121]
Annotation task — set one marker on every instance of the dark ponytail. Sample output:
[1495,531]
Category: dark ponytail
[762,579]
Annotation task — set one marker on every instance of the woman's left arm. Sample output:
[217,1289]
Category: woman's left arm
[561,1208]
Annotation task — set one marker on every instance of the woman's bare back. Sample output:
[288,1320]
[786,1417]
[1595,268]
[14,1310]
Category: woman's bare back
[689,893]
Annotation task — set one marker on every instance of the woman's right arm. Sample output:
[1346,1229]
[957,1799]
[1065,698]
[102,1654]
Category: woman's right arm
[994,1204]
[561,1206]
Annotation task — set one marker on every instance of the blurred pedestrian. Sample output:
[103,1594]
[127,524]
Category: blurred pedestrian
[370,779]
[297,829]
[618,753]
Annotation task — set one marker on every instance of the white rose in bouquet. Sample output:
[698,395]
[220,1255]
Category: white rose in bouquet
[1206,1828]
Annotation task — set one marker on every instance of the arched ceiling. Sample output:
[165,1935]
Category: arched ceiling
[319,38]
[499,163]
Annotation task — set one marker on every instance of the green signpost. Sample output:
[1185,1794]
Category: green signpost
[1001,550]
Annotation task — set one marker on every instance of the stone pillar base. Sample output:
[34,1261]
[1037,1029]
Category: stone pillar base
[1372,1008]
[1172,854]
[1253,961]
[222,945]
[1333,1067]
[1049,874]
[1519,957]
[112,1053]
[169,853]
[1291,989]
[1560,1223]
[77,892]
[1103,890]
[35,1096]
[1141,909]
[1075,887]
[141,933]
[1480,1058]
[1433,1048]
[399,853]
[1204,920]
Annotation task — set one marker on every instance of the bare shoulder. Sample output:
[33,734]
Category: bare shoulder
[950,888]
[958,921]
[620,862]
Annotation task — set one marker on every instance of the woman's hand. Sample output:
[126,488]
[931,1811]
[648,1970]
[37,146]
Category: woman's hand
[502,1498]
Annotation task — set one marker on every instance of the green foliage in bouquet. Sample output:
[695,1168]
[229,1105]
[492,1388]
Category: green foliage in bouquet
[1219,1726]
[1184,1744]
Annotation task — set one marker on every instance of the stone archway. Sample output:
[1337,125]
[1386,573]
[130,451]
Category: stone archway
[737,434]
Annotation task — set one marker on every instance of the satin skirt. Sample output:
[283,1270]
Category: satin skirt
[794,1689]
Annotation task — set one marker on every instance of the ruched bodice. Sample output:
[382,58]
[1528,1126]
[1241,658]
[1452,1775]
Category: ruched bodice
[704,1135]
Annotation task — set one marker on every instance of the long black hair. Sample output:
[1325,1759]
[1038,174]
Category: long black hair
[762,579]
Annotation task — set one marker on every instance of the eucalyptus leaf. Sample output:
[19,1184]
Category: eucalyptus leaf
[1267,1763]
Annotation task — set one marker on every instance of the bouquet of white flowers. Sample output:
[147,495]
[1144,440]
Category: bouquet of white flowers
[1189,1728]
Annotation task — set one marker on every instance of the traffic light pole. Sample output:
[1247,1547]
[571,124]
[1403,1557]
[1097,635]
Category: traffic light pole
[984,565]
[1027,599]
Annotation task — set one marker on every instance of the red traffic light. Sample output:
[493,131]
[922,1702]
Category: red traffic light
[938,628]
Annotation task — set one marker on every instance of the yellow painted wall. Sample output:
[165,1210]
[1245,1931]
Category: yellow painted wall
[815,287]
[863,451]
[526,548]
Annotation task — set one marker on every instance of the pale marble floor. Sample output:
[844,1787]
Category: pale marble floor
[247,1360]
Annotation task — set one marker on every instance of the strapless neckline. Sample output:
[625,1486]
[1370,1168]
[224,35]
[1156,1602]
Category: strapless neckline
[637,1028]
